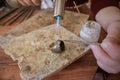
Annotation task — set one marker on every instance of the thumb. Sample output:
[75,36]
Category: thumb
[98,52]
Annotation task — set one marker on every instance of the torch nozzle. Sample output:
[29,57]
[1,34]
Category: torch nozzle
[59,8]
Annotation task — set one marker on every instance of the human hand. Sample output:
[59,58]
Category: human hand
[108,53]
[29,2]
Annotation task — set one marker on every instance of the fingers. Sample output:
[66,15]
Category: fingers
[36,2]
[99,54]
[106,67]
[29,2]
[112,48]
[22,2]
[104,60]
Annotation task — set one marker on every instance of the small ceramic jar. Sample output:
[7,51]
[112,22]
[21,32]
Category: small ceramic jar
[90,31]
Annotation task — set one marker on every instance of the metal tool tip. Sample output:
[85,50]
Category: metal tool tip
[58,47]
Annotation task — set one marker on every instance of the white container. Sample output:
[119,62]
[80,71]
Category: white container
[90,31]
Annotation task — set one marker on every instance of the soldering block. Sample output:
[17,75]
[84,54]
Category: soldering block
[35,58]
